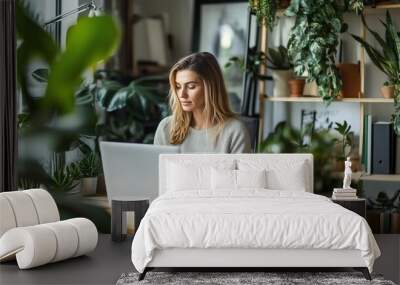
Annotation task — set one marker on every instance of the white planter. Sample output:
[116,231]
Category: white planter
[281,86]
[88,185]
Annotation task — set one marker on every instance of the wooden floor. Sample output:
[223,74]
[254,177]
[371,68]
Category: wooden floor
[111,259]
[103,266]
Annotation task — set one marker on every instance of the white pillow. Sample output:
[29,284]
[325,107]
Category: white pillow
[237,179]
[186,175]
[251,178]
[282,174]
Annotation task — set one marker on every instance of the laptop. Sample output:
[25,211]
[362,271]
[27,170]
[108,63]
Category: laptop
[131,169]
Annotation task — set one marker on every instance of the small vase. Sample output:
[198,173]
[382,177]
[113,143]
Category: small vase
[296,86]
[387,92]
[281,86]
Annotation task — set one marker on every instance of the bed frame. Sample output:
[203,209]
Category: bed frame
[242,259]
[248,259]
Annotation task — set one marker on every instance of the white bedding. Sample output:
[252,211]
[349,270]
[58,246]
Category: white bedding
[251,218]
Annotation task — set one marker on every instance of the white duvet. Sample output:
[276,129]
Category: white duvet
[253,218]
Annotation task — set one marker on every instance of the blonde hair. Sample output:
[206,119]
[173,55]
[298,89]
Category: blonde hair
[216,109]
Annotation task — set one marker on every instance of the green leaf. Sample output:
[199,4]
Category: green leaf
[89,41]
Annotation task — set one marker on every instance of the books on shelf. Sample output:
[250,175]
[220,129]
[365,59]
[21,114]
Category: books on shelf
[367,144]
[343,194]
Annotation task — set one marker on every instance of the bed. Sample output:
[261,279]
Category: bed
[246,211]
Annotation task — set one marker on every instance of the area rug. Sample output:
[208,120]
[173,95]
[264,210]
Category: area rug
[244,278]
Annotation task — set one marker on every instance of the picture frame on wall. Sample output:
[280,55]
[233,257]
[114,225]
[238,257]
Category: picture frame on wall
[220,27]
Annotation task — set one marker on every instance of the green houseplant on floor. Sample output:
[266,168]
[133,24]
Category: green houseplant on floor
[387,60]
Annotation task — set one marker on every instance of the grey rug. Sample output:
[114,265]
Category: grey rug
[243,278]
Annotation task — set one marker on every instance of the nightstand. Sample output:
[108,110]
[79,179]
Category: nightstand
[121,204]
[357,205]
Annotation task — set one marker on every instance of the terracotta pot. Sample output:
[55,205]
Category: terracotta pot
[387,92]
[395,223]
[296,86]
[351,78]
[281,86]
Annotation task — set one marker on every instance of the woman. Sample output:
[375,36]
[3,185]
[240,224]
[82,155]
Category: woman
[201,119]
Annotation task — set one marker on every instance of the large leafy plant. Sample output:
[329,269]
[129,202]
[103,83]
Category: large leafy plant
[387,60]
[314,38]
[53,121]
[132,107]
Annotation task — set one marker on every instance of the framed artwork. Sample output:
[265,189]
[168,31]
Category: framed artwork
[220,27]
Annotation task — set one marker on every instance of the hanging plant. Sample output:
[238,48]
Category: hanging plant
[265,11]
[314,38]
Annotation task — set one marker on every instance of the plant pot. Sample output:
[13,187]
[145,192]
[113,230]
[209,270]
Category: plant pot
[281,86]
[310,89]
[351,78]
[296,86]
[395,223]
[88,186]
[387,92]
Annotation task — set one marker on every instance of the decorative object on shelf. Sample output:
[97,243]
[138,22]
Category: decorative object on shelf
[380,212]
[281,70]
[296,86]
[314,38]
[387,61]
[387,91]
[351,79]
[347,174]
[265,11]
[344,194]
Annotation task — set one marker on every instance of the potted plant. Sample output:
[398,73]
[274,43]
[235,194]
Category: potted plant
[380,211]
[296,86]
[89,169]
[387,90]
[387,60]
[345,143]
[313,41]
[281,70]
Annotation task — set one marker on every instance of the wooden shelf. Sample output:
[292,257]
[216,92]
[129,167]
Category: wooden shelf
[383,5]
[359,175]
[318,99]
[381,177]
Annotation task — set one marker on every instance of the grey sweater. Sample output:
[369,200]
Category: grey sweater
[233,138]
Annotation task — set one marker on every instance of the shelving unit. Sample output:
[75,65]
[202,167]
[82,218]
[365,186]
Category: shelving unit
[318,99]
[361,100]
